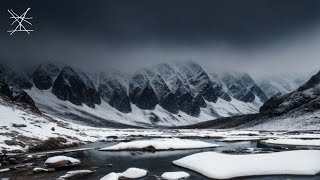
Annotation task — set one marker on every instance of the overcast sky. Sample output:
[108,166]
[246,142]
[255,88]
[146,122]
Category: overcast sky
[257,36]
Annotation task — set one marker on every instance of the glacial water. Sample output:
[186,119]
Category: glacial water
[155,162]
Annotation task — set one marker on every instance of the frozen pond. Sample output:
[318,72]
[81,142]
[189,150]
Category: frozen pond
[155,162]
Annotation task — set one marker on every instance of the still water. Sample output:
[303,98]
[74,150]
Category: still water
[156,163]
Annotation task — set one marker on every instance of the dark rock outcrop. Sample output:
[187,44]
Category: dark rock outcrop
[14,78]
[17,95]
[270,106]
[184,99]
[141,93]
[114,93]
[43,76]
[199,80]
[305,96]
[242,87]
[218,87]
[20,95]
[5,89]
[313,82]
[69,86]
[147,89]
[256,90]
[200,101]
[249,97]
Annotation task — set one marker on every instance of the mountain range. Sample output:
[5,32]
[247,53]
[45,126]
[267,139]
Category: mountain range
[167,94]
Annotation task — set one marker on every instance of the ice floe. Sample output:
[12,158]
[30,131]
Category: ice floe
[224,166]
[175,175]
[131,173]
[75,173]
[57,161]
[160,144]
[110,176]
[38,169]
[4,170]
[294,142]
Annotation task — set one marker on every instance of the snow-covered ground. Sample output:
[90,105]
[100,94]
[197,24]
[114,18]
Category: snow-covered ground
[131,173]
[175,175]
[160,144]
[38,127]
[75,173]
[298,122]
[295,142]
[57,159]
[223,166]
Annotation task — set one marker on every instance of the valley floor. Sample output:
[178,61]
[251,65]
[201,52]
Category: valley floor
[22,131]
[28,139]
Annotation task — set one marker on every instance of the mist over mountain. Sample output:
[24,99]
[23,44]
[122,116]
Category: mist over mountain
[166,94]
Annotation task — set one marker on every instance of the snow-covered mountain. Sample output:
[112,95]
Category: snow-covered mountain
[297,110]
[305,99]
[167,94]
[282,84]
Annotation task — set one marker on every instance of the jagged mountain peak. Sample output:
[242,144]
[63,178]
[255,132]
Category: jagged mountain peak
[44,75]
[242,87]
[167,93]
[112,89]
[306,95]
[282,84]
[313,82]
[71,86]
[15,77]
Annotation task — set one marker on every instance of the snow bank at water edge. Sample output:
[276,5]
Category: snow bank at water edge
[57,160]
[75,173]
[294,142]
[160,144]
[131,173]
[110,176]
[175,175]
[224,166]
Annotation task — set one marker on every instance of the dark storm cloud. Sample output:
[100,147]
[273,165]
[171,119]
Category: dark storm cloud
[147,31]
[235,21]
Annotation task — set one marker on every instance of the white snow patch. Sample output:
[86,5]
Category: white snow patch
[57,159]
[74,173]
[133,173]
[110,176]
[4,170]
[224,166]
[37,169]
[160,144]
[175,175]
[297,142]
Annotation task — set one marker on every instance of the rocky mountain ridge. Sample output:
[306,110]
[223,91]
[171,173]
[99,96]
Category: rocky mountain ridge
[165,94]
[297,110]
